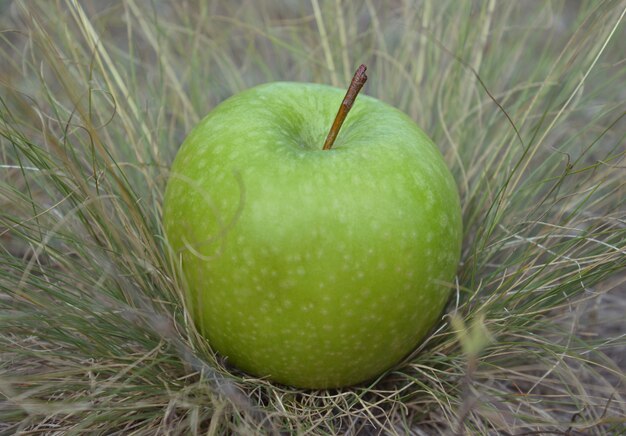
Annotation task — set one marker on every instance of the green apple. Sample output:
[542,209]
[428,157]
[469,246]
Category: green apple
[314,268]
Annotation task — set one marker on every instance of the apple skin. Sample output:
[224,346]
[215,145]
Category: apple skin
[316,269]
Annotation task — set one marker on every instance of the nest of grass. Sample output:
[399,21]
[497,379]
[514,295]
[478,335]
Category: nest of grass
[527,104]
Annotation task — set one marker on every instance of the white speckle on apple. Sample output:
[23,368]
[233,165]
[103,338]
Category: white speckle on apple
[443,220]
[430,199]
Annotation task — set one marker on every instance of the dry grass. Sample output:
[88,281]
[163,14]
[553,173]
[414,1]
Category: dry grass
[525,100]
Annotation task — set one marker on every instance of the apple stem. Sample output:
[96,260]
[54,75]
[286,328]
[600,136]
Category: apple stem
[348,101]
